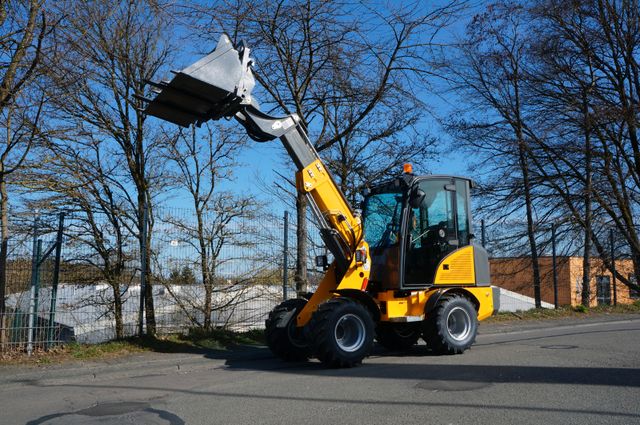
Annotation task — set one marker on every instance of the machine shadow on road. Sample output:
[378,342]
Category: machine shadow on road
[422,370]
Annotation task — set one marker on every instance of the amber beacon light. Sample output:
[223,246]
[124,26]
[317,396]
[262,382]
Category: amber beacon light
[407,168]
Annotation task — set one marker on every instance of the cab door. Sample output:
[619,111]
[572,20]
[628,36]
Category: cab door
[437,227]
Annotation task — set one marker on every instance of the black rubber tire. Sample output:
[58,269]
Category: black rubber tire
[288,342]
[342,332]
[398,336]
[452,326]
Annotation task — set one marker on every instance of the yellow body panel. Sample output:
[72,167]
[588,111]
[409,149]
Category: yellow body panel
[324,292]
[354,278]
[316,181]
[413,305]
[484,295]
[457,268]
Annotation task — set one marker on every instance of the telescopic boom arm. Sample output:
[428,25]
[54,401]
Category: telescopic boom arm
[219,86]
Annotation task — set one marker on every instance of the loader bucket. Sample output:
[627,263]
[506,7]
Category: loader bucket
[216,86]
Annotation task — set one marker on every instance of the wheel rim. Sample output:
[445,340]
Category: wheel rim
[350,333]
[458,323]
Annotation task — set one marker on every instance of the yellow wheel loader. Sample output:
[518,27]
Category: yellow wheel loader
[405,268]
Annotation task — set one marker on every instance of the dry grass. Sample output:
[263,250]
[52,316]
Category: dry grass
[199,341]
[195,341]
[564,312]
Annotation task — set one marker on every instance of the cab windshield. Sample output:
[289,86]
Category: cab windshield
[382,213]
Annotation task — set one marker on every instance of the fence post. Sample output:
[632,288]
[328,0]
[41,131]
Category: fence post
[483,234]
[613,267]
[34,293]
[143,268]
[555,269]
[56,279]
[285,257]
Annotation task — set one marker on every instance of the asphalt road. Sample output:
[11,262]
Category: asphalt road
[564,372]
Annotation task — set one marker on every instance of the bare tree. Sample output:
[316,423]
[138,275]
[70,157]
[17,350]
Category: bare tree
[112,49]
[79,177]
[376,150]
[489,71]
[23,28]
[337,65]
[560,81]
[589,69]
[202,162]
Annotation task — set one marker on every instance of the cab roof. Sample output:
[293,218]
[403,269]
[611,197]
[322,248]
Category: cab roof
[408,180]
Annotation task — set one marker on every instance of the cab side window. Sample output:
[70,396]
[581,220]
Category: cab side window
[462,212]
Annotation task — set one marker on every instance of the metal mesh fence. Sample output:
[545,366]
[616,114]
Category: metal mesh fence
[219,271]
[223,270]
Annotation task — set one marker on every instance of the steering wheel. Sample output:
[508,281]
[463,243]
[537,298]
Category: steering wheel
[389,237]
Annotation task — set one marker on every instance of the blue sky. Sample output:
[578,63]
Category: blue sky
[260,160]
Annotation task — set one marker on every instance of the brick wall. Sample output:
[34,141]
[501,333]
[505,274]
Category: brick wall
[516,274]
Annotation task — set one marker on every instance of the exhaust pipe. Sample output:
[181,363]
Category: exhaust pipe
[218,85]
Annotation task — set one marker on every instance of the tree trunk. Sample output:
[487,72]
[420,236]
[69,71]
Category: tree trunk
[586,261]
[205,273]
[208,292]
[145,245]
[4,250]
[300,277]
[635,258]
[117,308]
[531,228]
[524,168]
[586,258]
[148,298]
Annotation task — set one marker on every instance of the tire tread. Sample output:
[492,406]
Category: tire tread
[322,334]
[434,328]
[278,338]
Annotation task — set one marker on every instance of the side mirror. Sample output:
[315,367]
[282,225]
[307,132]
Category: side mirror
[416,197]
[322,262]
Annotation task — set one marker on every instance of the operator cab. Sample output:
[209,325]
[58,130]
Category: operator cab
[411,224]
